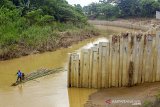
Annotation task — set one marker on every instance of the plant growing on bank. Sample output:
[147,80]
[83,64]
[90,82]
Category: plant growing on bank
[36,25]
[147,104]
[30,20]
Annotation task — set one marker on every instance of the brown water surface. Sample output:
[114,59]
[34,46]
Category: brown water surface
[49,91]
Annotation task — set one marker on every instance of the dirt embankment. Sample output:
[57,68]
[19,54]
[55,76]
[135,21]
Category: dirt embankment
[137,23]
[64,39]
[143,93]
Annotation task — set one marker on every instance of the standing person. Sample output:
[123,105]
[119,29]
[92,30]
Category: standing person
[19,76]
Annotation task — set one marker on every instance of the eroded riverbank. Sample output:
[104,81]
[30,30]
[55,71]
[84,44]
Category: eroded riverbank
[143,92]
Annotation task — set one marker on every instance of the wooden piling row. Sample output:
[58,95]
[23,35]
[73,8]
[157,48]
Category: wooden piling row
[128,59]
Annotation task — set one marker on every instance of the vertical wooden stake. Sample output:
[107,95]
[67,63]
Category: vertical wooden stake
[94,66]
[126,54]
[158,56]
[141,49]
[103,64]
[74,70]
[85,67]
[69,72]
[121,61]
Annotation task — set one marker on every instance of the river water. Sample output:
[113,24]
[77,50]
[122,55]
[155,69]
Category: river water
[48,91]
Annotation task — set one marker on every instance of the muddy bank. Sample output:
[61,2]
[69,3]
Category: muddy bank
[64,39]
[138,24]
[144,93]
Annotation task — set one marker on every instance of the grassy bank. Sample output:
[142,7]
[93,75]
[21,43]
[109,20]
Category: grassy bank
[28,27]
[41,39]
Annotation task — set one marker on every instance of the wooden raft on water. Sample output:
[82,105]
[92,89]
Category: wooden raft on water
[37,74]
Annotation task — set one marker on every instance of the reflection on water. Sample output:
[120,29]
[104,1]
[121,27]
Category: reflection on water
[20,89]
[78,96]
[91,44]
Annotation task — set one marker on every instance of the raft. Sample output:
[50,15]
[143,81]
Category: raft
[37,74]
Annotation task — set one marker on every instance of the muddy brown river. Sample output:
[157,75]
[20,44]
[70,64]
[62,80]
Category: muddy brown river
[48,91]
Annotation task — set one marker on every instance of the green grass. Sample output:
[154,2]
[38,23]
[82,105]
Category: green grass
[147,104]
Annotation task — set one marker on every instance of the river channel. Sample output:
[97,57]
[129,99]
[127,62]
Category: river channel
[48,91]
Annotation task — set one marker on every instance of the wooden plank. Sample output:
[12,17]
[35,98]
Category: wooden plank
[137,50]
[144,59]
[148,64]
[152,73]
[126,52]
[124,45]
[74,70]
[110,62]
[69,72]
[94,66]
[154,55]
[141,50]
[102,64]
[107,66]
[121,61]
[113,64]
[115,60]
[117,53]
[130,64]
[145,62]
[136,54]
[85,67]
[158,56]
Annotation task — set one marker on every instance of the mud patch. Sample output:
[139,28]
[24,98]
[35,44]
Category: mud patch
[144,92]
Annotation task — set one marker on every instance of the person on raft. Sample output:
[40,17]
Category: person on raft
[19,76]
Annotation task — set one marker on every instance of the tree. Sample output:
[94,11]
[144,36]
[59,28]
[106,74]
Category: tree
[129,7]
[110,11]
[149,7]
[78,7]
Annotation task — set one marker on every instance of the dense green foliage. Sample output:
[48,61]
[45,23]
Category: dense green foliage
[31,21]
[110,9]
